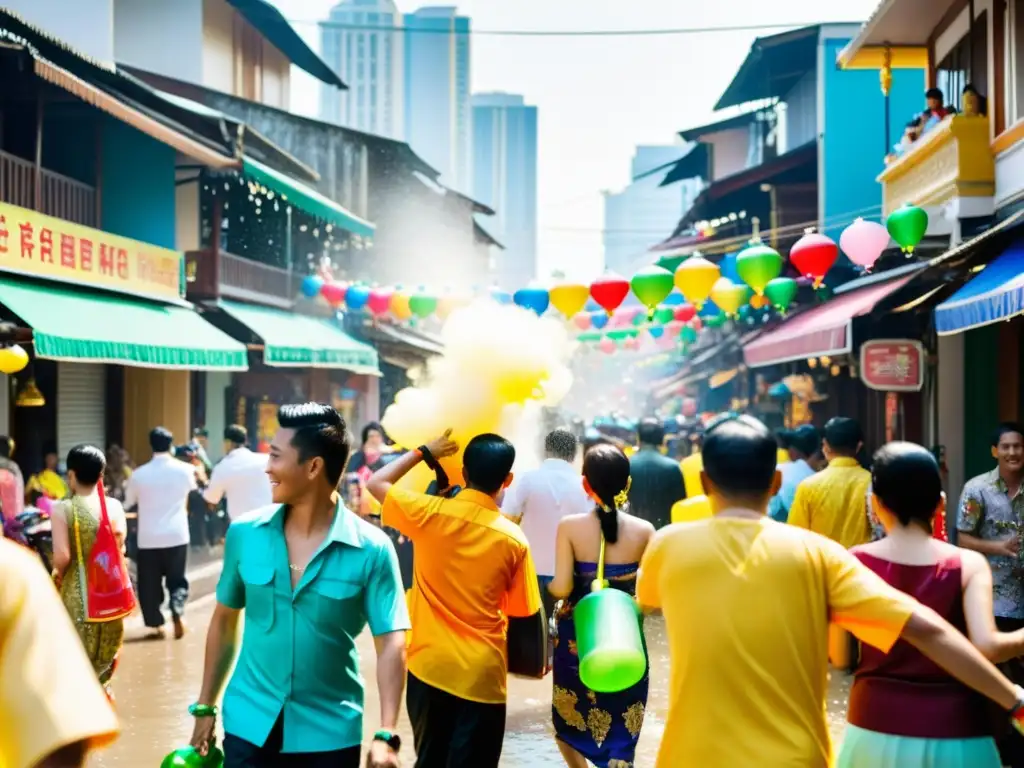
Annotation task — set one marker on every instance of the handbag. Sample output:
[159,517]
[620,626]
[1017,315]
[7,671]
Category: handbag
[106,585]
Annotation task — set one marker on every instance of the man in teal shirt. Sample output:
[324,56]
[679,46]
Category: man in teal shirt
[310,575]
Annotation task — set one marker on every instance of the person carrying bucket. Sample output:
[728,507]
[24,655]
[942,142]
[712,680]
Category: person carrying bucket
[600,675]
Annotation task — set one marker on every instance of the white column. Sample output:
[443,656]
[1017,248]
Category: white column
[217,383]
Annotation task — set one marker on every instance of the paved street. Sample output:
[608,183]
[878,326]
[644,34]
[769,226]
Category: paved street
[158,680]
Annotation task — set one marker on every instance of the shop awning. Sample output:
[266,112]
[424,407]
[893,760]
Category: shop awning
[89,327]
[306,198]
[293,341]
[822,330]
[996,293]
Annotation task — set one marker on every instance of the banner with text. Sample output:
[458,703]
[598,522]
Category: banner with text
[42,246]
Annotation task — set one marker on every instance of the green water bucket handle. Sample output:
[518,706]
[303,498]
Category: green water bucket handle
[600,582]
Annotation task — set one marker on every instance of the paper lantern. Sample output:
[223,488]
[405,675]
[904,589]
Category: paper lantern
[599,319]
[813,256]
[619,334]
[379,301]
[863,242]
[581,321]
[688,334]
[532,298]
[674,299]
[606,345]
[907,225]
[656,331]
[664,315]
[333,293]
[696,323]
[589,337]
[760,302]
[757,265]
[685,312]
[12,359]
[500,296]
[310,286]
[652,285]
[780,292]
[695,278]
[728,296]
[356,297]
[423,305]
[569,298]
[631,344]
[399,305]
[609,291]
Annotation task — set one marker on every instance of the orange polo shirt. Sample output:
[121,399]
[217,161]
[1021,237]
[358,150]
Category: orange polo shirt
[472,569]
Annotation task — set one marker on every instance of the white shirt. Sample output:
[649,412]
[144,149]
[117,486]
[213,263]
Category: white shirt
[159,488]
[242,477]
[542,498]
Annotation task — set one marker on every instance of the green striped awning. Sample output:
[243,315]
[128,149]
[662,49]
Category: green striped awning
[305,198]
[93,327]
[295,341]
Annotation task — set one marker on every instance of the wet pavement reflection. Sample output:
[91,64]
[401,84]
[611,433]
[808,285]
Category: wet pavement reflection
[157,681]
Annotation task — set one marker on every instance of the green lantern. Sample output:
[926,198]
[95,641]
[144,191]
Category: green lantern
[663,315]
[757,265]
[619,334]
[639,319]
[651,285]
[780,292]
[715,321]
[590,337]
[907,225]
[687,334]
[423,305]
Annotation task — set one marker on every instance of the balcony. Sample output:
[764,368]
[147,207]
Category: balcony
[59,196]
[215,274]
[952,163]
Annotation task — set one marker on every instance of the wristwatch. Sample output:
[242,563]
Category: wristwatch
[390,738]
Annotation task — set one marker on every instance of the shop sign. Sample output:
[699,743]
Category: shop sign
[892,365]
[46,247]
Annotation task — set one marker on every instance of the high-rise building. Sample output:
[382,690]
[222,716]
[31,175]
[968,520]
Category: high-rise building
[505,178]
[362,41]
[639,216]
[438,119]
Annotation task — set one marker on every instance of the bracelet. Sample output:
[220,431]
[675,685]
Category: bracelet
[202,710]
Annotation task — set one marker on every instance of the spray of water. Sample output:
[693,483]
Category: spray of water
[500,367]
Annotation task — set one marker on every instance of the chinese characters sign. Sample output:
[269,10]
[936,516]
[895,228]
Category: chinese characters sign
[892,365]
[42,246]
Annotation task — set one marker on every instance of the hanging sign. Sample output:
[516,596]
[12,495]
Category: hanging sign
[53,249]
[892,365]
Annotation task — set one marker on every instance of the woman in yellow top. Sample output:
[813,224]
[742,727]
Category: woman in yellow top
[48,482]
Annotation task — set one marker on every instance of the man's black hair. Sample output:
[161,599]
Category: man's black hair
[236,434]
[5,446]
[784,438]
[561,444]
[805,440]
[487,461]
[651,431]
[87,462]
[1006,428]
[935,93]
[740,456]
[319,431]
[905,478]
[160,440]
[372,426]
[844,435]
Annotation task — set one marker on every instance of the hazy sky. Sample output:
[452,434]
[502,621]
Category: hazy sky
[598,97]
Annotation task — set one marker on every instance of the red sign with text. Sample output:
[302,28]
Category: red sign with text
[892,365]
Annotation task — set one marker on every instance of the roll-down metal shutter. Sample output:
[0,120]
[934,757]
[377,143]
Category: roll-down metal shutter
[81,406]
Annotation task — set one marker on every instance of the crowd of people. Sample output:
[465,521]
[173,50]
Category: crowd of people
[754,597]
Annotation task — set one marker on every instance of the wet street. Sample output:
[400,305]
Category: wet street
[158,680]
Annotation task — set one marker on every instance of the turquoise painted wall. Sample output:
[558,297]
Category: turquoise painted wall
[137,185]
[853,128]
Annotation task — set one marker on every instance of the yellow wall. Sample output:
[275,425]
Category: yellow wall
[154,398]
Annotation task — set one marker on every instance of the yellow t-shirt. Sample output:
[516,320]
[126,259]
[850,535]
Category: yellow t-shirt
[747,605]
[782,457]
[834,503]
[692,466]
[472,568]
[49,694]
[690,509]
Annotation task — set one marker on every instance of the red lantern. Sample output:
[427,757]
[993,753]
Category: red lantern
[813,256]
[696,323]
[334,293]
[609,291]
[379,301]
[684,313]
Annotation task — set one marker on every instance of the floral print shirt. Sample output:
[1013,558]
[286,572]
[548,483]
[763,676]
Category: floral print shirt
[987,511]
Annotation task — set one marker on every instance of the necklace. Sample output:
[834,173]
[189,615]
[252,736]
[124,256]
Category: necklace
[298,568]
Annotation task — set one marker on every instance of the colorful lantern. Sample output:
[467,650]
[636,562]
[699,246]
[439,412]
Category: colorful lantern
[532,298]
[569,298]
[696,323]
[581,321]
[609,291]
[813,256]
[333,293]
[379,301]
[715,321]
[632,344]
[757,265]
[599,319]
[674,299]
[423,305]
[780,292]
[12,359]
[311,285]
[907,225]
[685,312]
[356,297]
[500,296]
[399,305]
[863,242]
[656,331]
[606,345]
[589,337]
[760,302]
[619,334]
[652,285]
[688,334]
[728,296]
[695,278]
[664,315]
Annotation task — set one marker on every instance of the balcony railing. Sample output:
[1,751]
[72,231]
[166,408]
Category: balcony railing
[59,196]
[215,275]
[952,160]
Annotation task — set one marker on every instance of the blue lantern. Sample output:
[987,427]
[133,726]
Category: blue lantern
[311,285]
[536,299]
[356,297]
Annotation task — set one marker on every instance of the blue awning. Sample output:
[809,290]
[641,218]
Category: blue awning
[996,293]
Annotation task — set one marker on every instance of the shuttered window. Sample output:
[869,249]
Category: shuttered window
[81,406]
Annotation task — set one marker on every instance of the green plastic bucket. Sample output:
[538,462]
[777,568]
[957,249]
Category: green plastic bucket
[609,641]
[187,757]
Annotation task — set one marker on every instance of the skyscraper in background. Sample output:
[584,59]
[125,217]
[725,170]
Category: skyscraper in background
[505,178]
[438,119]
[643,213]
[370,62]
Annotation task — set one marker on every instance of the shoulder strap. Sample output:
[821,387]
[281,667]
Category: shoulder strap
[599,583]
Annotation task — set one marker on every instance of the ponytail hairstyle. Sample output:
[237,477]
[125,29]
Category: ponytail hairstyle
[606,469]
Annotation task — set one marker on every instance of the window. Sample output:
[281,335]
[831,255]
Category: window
[1015,61]
[965,63]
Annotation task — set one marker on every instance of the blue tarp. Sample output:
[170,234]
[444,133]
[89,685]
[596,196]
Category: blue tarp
[996,293]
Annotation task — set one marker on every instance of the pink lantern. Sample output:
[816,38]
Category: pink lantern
[633,344]
[581,320]
[606,345]
[666,342]
[696,323]
[863,242]
[379,301]
[673,328]
[333,293]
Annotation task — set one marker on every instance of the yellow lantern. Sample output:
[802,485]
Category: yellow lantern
[728,296]
[12,359]
[695,278]
[569,298]
[399,306]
